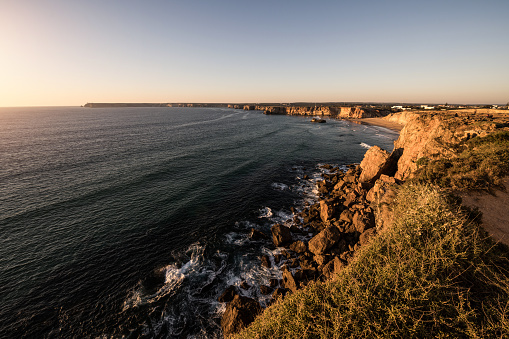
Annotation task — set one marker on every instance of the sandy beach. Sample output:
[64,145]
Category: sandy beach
[379,122]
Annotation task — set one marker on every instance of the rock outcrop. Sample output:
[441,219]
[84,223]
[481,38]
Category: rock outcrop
[240,312]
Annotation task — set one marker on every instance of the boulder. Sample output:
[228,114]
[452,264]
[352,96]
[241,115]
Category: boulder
[375,163]
[327,209]
[239,313]
[324,240]
[363,222]
[298,247]
[228,295]
[281,235]
[289,281]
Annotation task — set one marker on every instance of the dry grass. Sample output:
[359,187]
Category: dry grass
[432,275]
[482,164]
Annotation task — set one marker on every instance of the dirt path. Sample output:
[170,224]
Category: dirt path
[495,211]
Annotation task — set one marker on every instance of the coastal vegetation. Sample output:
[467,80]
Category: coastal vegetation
[434,273]
[479,163]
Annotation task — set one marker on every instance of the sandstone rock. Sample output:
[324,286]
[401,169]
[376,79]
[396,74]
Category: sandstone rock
[324,240]
[366,237]
[281,235]
[289,281]
[298,247]
[363,222]
[327,209]
[338,265]
[239,313]
[346,216]
[273,282]
[351,198]
[244,285]
[381,196]
[228,294]
[339,186]
[375,163]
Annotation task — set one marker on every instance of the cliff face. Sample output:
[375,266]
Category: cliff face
[438,134]
[332,111]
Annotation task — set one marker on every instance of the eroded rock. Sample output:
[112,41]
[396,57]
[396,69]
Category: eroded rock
[240,312]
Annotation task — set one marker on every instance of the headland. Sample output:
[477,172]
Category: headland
[388,249]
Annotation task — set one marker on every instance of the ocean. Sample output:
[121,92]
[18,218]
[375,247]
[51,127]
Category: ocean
[130,222]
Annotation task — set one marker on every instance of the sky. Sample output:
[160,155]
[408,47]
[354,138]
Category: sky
[68,53]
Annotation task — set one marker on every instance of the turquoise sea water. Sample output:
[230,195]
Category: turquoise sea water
[131,221]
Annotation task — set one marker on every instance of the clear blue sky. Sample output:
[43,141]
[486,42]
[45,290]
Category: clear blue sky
[69,52]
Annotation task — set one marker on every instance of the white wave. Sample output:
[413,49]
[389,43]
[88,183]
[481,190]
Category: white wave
[279,186]
[265,212]
[365,145]
[235,238]
[174,276]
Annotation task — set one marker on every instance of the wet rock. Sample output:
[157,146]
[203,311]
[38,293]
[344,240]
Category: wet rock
[257,235]
[228,295]
[324,240]
[239,313]
[265,261]
[298,247]
[281,235]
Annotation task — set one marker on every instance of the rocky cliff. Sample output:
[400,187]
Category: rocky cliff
[440,134]
[356,112]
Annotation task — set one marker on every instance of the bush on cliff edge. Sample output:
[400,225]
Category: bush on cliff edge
[432,274]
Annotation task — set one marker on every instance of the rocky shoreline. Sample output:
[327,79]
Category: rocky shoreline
[322,238]
[351,208]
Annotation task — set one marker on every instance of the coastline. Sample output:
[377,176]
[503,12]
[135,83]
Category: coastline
[353,207]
